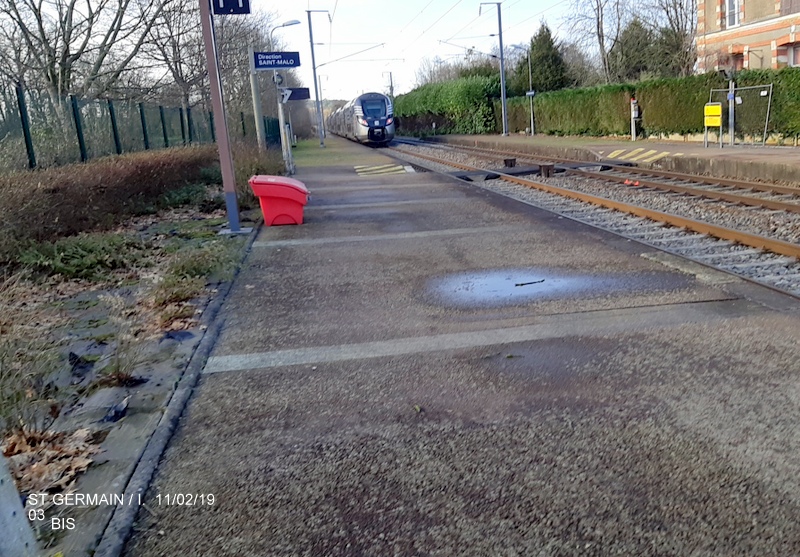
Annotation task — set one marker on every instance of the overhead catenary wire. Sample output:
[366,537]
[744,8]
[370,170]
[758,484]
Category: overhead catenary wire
[432,25]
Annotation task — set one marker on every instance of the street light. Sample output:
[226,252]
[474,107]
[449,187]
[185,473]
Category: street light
[314,68]
[502,64]
[530,92]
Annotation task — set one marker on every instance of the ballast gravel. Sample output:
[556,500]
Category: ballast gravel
[779,225]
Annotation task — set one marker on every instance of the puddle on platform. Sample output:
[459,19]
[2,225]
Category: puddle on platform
[514,286]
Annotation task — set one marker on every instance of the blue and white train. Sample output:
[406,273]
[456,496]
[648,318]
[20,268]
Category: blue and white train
[367,119]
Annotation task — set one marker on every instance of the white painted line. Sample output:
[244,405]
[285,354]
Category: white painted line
[380,237]
[371,187]
[384,204]
[572,325]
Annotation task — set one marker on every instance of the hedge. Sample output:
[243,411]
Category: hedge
[459,106]
[667,106]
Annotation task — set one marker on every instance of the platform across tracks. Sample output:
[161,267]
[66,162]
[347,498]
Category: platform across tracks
[428,368]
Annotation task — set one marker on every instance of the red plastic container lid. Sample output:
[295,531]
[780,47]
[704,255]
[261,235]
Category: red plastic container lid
[264,180]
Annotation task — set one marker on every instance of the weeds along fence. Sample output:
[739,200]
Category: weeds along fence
[35,132]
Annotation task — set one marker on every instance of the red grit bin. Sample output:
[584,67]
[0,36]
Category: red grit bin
[282,199]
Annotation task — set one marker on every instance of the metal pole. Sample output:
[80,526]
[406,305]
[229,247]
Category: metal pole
[26,126]
[322,120]
[163,126]
[731,109]
[262,139]
[766,122]
[502,72]
[183,127]
[530,88]
[286,147]
[221,123]
[112,114]
[145,137]
[316,88]
[76,116]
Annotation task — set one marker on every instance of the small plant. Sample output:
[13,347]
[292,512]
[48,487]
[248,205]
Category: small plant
[210,258]
[130,337]
[186,277]
[86,256]
[193,194]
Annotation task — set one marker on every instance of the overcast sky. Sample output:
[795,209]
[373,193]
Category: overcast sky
[410,30]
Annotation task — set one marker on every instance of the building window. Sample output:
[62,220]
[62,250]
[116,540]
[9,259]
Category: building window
[793,53]
[790,7]
[733,12]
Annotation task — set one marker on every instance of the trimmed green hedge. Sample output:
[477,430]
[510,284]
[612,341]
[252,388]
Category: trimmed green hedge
[667,106]
[459,106]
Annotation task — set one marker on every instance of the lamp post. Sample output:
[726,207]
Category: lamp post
[220,122]
[314,68]
[502,63]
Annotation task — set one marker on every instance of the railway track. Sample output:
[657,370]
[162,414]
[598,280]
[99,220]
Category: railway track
[750,230]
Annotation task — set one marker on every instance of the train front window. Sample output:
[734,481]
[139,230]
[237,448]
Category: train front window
[374,109]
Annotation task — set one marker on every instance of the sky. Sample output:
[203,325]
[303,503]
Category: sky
[367,43]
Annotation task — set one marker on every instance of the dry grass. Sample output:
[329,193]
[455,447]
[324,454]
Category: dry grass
[28,359]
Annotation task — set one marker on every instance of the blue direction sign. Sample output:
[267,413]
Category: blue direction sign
[276,60]
[227,7]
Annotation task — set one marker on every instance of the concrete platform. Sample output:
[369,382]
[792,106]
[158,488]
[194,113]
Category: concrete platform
[747,162]
[427,368]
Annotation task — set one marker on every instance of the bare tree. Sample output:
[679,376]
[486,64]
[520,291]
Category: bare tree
[602,21]
[81,49]
[676,23]
[175,45]
[436,70]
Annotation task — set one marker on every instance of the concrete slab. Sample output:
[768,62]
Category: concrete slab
[478,377]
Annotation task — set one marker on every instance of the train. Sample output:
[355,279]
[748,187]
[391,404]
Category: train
[368,119]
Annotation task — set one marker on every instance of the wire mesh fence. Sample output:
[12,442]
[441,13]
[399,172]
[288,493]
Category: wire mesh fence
[36,131]
[751,108]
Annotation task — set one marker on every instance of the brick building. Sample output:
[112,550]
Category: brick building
[747,34]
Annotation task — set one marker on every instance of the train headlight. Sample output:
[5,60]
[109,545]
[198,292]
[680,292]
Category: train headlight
[389,121]
[363,121]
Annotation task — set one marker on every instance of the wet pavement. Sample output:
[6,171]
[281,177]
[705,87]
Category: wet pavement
[427,368]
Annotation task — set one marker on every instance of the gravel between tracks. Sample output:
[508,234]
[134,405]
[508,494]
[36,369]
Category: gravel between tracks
[783,226]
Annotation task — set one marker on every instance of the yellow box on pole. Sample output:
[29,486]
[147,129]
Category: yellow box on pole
[712,113]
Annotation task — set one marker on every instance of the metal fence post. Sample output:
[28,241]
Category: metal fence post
[189,124]
[76,115]
[163,126]
[144,127]
[17,537]
[26,126]
[211,123]
[114,128]
[183,127]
